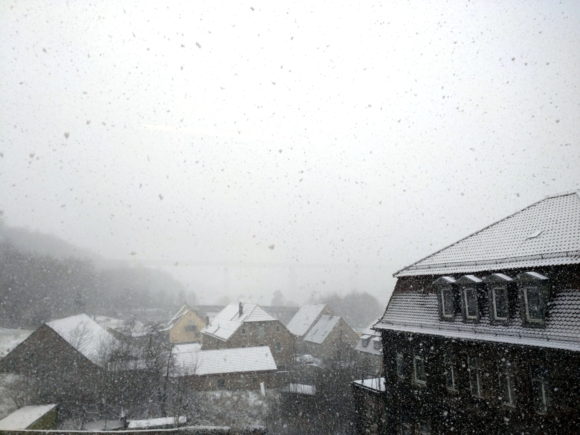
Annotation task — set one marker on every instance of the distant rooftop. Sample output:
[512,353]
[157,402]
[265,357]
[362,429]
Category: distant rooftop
[24,417]
[85,335]
[222,361]
[305,318]
[228,320]
[545,233]
[321,329]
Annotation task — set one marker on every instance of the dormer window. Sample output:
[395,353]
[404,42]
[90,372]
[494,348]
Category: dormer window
[469,285]
[377,343]
[365,339]
[498,285]
[534,294]
[471,307]
[446,296]
[500,306]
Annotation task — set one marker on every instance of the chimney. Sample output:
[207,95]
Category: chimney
[240,309]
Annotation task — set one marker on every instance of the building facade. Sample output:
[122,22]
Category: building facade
[484,335]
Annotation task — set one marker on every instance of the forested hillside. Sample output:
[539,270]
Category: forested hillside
[42,278]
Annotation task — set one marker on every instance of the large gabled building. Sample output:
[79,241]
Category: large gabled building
[484,335]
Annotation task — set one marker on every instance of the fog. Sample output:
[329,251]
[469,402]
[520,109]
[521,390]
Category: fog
[310,147]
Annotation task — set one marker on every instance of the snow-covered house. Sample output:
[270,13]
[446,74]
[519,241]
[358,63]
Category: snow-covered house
[369,351]
[65,355]
[248,325]
[484,335]
[320,333]
[185,326]
[246,368]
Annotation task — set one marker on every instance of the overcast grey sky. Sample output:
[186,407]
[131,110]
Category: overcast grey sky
[346,138]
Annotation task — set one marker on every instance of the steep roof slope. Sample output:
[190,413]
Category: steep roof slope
[318,333]
[543,234]
[418,313]
[305,318]
[85,335]
[228,320]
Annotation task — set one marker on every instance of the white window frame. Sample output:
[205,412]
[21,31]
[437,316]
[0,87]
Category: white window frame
[423,381]
[507,385]
[474,369]
[444,313]
[544,394]
[450,369]
[400,365]
[494,291]
[472,290]
[530,319]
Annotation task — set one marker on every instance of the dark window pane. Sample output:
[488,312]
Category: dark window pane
[447,305]
[500,303]
[470,300]
[534,305]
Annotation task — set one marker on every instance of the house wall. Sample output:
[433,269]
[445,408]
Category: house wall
[187,329]
[341,339]
[63,374]
[235,381]
[370,411]
[272,334]
[369,364]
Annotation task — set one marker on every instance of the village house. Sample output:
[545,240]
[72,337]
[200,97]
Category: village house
[248,325]
[320,333]
[484,335]
[369,352]
[246,368]
[185,326]
[62,352]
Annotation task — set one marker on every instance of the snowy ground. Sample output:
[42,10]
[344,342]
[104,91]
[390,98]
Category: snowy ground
[10,338]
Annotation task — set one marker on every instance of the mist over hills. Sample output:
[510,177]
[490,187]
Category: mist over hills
[43,277]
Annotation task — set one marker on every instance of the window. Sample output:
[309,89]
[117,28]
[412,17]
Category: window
[499,297]
[474,369]
[243,330]
[406,428]
[534,304]
[419,375]
[400,365]
[191,328]
[423,428]
[540,392]
[506,385]
[450,381]
[278,347]
[471,308]
[447,303]
[221,383]
[377,343]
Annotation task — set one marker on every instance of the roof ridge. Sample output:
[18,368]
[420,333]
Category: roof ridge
[471,235]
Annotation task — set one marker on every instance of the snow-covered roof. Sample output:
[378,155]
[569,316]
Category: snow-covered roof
[228,320]
[305,318]
[85,335]
[375,384]
[10,338]
[318,333]
[417,312]
[546,233]
[180,313]
[130,328]
[221,361]
[24,417]
[308,390]
[153,423]
[370,342]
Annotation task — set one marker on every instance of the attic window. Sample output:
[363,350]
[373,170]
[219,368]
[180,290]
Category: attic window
[365,340]
[534,304]
[470,304]
[377,344]
[499,296]
[447,303]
